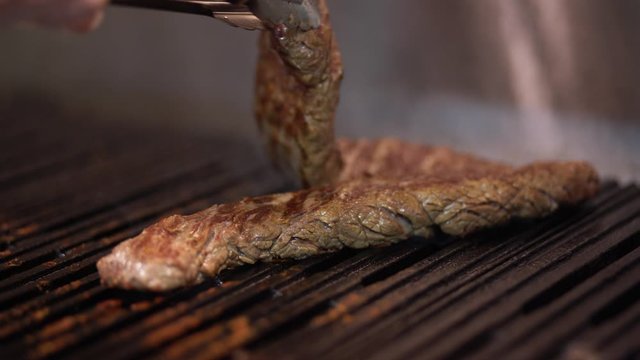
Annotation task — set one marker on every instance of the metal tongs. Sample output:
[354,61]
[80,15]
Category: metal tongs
[246,14]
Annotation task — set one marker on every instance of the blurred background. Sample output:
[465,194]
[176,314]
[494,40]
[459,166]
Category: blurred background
[510,80]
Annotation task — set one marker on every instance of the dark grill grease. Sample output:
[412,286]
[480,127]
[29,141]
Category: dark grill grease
[365,193]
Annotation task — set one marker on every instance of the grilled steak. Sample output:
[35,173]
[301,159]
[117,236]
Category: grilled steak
[455,193]
[297,89]
[363,193]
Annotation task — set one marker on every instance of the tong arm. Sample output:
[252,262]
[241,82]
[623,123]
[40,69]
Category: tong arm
[235,13]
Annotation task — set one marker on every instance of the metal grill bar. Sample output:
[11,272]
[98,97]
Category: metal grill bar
[120,214]
[412,289]
[63,198]
[564,286]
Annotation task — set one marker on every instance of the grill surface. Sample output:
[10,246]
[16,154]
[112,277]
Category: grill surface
[567,286]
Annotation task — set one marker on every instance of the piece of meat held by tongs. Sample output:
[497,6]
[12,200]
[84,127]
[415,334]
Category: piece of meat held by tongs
[246,14]
[356,193]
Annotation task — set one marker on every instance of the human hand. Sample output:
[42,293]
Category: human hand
[74,15]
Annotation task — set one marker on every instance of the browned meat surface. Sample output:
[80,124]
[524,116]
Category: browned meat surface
[392,159]
[365,193]
[297,89]
[455,193]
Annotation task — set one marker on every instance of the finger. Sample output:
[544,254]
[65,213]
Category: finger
[75,15]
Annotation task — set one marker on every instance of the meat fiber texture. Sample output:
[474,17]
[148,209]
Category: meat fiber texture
[388,191]
[297,92]
[362,193]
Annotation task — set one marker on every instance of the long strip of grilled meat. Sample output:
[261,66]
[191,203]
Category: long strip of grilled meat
[297,89]
[455,193]
[366,193]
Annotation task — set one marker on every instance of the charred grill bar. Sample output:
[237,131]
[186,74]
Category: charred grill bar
[565,286]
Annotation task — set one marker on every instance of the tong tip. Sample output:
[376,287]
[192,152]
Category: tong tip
[295,14]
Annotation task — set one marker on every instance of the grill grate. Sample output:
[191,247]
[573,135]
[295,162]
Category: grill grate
[566,286]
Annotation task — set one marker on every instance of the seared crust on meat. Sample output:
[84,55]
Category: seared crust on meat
[297,89]
[455,193]
[367,193]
